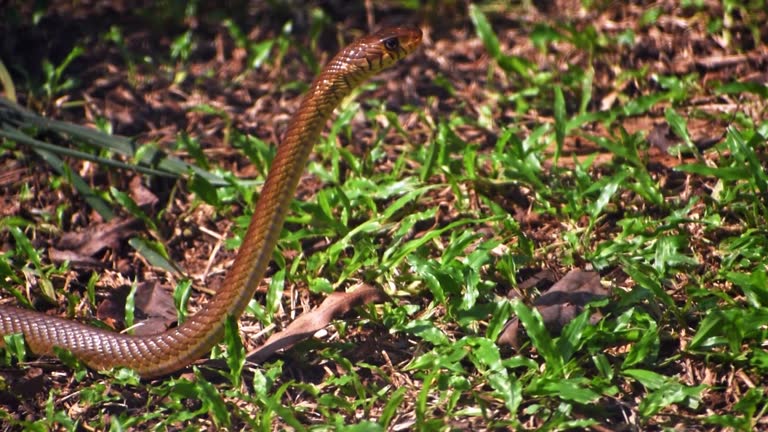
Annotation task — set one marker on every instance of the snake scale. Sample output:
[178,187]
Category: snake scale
[166,352]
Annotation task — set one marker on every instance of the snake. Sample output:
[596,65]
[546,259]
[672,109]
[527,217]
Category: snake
[163,353]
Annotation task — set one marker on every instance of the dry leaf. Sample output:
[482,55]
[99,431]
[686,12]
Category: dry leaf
[75,259]
[94,239]
[560,304]
[661,137]
[31,385]
[153,309]
[154,306]
[306,325]
[142,196]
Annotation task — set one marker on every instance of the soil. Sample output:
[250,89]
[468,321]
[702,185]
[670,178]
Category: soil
[133,84]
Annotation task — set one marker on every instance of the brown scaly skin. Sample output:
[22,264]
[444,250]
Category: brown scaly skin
[163,353]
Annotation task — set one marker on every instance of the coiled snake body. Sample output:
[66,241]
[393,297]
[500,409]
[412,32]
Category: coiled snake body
[163,353]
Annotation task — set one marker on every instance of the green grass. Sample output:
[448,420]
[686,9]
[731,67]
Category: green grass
[449,207]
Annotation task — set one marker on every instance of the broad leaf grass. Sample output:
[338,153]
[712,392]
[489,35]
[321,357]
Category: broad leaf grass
[449,209]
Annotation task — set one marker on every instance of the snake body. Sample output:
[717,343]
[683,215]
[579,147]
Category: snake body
[164,353]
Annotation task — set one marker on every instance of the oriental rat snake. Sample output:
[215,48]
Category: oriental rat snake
[163,353]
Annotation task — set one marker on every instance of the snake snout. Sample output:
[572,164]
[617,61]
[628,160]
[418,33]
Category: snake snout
[409,37]
[398,41]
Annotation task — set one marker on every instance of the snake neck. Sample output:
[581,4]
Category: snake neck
[166,352]
[263,233]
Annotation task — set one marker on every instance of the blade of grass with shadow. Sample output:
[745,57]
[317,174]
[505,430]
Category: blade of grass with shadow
[15,119]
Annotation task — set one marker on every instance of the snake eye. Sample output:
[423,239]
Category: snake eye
[391,44]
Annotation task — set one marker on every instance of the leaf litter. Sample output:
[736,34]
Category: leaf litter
[559,304]
[156,107]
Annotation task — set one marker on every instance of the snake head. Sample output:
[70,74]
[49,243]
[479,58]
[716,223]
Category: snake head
[392,43]
[372,53]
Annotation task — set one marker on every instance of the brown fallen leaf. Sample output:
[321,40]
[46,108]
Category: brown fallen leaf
[153,308]
[661,137]
[94,239]
[27,386]
[154,305]
[143,197]
[306,325]
[75,259]
[560,304]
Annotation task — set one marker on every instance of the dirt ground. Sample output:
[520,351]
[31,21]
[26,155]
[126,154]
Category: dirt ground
[135,86]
